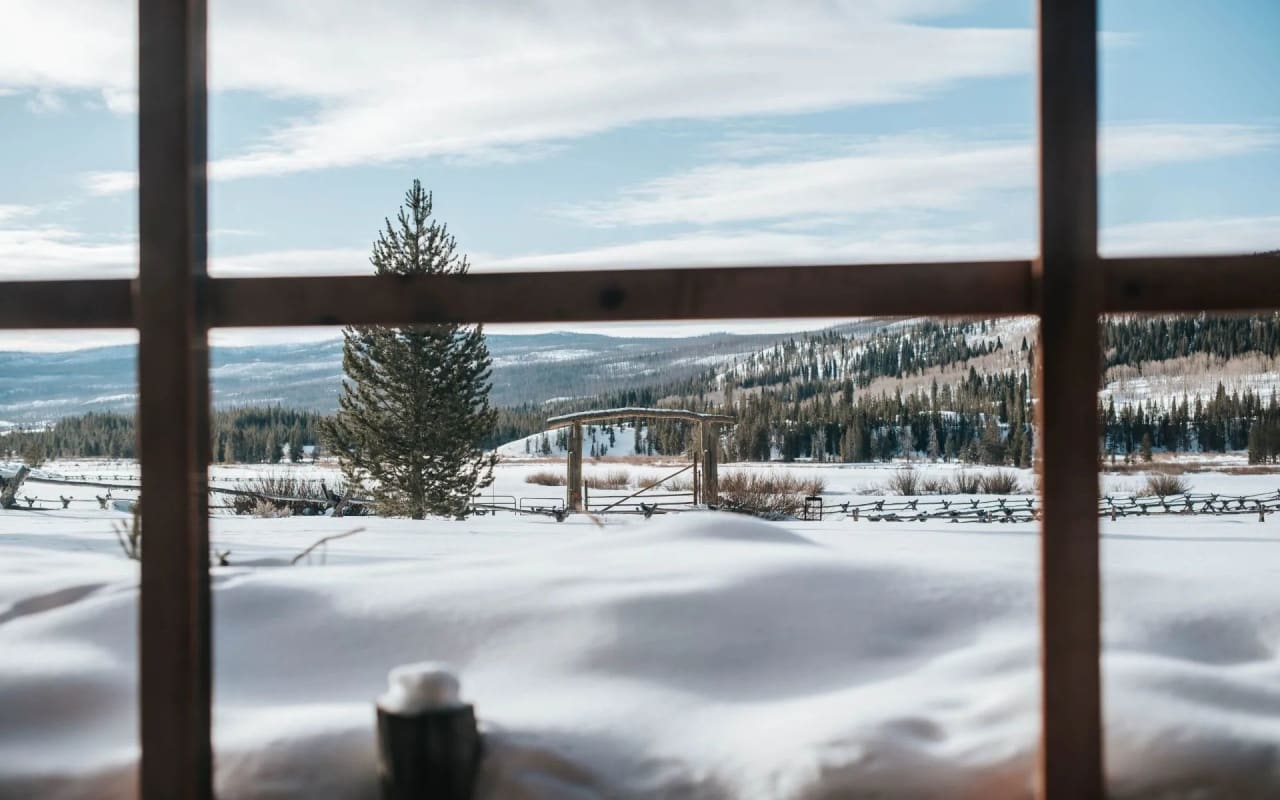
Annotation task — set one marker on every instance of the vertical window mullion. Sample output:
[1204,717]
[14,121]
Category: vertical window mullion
[175,675]
[1069,293]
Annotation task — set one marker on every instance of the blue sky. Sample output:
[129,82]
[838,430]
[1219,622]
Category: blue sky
[574,134]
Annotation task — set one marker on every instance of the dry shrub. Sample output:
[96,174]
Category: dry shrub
[268,509]
[639,460]
[1000,482]
[681,484]
[304,497]
[1163,485]
[934,486]
[772,493]
[545,477]
[1164,467]
[1126,488]
[613,479]
[130,536]
[906,481]
[1256,469]
[965,482]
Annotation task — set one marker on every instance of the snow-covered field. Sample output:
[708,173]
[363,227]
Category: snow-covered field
[699,655]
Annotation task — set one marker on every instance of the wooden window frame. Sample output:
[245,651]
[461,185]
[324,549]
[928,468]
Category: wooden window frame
[173,304]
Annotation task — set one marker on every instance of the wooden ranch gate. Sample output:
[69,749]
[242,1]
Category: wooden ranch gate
[173,303]
[705,451]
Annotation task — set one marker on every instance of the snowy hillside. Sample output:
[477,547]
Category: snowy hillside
[1194,378]
[618,440]
[39,387]
[704,656]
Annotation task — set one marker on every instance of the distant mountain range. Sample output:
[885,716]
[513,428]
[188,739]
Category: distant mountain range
[40,387]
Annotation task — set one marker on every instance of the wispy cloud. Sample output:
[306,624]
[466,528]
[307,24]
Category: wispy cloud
[1194,236]
[332,261]
[777,177]
[110,182]
[11,211]
[53,252]
[45,101]
[28,253]
[389,82]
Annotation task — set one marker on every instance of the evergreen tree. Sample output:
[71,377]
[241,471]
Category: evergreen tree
[934,449]
[416,402]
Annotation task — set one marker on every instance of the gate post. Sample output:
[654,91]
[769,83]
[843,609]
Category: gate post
[710,464]
[573,501]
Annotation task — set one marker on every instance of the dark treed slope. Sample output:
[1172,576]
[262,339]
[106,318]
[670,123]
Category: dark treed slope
[249,435]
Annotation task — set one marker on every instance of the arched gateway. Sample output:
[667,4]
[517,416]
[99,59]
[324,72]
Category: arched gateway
[705,452]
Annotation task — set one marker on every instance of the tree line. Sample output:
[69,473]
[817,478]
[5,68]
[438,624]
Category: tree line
[250,435]
[1134,341]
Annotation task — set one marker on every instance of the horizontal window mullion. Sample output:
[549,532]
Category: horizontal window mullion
[1163,284]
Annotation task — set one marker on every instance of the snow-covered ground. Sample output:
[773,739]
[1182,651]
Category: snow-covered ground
[699,655]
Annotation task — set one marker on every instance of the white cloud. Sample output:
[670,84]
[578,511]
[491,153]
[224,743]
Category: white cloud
[52,252]
[10,212]
[757,248]
[1205,236]
[1133,147]
[335,261]
[903,172]
[111,182]
[44,101]
[120,101]
[61,341]
[1193,236]
[396,80]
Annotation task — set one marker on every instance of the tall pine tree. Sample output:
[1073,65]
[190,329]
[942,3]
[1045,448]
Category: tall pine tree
[416,402]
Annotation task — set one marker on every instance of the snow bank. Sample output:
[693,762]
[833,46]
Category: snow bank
[701,656]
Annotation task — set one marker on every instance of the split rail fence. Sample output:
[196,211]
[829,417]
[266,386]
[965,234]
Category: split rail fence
[173,303]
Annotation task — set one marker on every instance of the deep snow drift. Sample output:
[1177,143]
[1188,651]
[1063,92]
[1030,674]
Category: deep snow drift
[700,655]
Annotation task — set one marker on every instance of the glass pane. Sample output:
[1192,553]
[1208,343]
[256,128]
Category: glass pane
[885,546]
[68,590]
[1190,143]
[631,136]
[68,572]
[68,81]
[640,135]
[1187,405]
[1189,413]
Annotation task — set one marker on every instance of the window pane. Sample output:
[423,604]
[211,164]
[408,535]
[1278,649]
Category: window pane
[68,578]
[1189,476]
[68,98]
[890,587]
[627,135]
[1190,141]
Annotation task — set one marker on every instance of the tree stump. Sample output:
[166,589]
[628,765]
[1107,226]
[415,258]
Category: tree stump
[431,755]
[9,496]
[428,743]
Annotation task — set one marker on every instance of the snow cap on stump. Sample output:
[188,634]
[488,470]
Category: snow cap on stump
[415,688]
